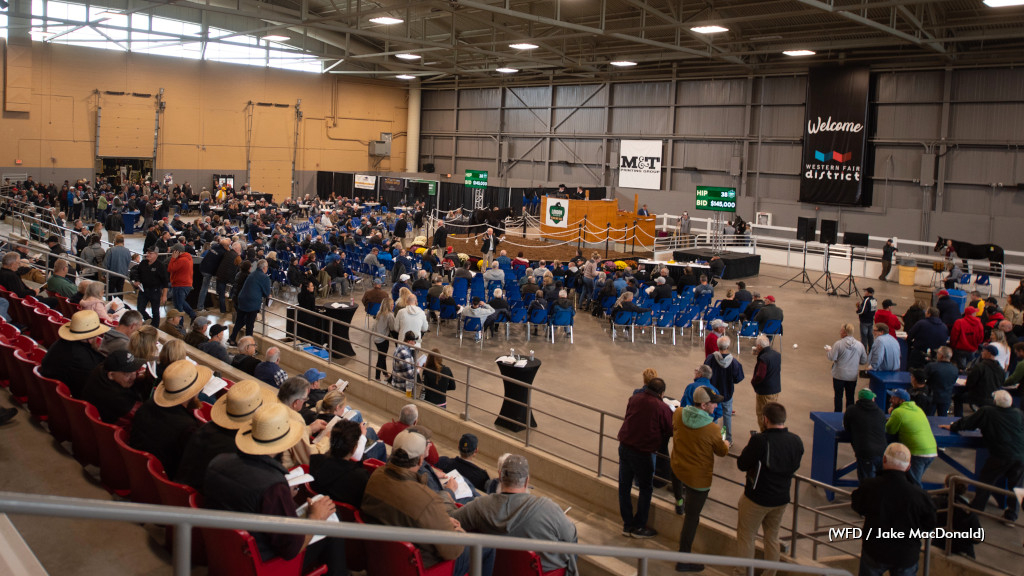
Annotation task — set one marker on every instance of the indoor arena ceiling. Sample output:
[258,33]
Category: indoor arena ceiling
[467,41]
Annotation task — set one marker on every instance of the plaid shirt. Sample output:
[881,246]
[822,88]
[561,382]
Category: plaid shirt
[271,373]
[404,365]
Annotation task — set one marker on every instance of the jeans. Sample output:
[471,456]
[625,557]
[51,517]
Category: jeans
[246,319]
[180,294]
[866,337]
[204,289]
[838,386]
[222,296]
[918,464]
[941,402]
[695,500]
[152,299]
[868,468]
[749,516]
[994,471]
[869,567]
[638,465]
[5,305]
[462,563]
[727,418]
[963,358]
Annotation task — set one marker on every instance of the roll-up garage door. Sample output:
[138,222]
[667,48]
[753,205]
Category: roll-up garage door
[272,141]
[126,125]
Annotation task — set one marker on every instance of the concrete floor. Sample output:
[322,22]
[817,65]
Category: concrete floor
[593,371]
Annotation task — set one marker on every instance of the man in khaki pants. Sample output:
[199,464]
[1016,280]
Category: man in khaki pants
[770,459]
[767,379]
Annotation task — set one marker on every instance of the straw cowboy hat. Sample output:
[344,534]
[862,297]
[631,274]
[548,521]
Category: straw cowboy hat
[273,429]
[84,324]
[182,381]
[235,409]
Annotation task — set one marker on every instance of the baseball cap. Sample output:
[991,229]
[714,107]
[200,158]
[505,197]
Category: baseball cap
[378,282]
[717,323]
[217,329]
[704,394]
[887,303]
[468,443]
[901,394]
[312,375]
[991,349]
[413,444]
[201,321]
[866,394]
[943,293]
[122,361]
[770,298]
[403,277]
[52,238]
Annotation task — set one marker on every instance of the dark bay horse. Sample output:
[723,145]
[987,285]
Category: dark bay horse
[967,251]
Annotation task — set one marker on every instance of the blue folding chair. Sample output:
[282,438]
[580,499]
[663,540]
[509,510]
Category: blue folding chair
[622,319]
[536,317]
[448,312]
[460,289]
[644,320]
[685,319]
[472,324]
[773,328]
[371,312]
[421,297]
[476,288]
[518,316]
[562,318]
[607,303]
[665,319]
[747,330]
[983,280]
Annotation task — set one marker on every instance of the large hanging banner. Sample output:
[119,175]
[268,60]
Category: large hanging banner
[835,158]
[640,164]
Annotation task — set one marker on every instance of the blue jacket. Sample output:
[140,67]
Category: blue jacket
[255,289]
[929,333]
[687,399]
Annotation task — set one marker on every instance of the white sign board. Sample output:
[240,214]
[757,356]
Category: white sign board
[640,164]
[366,182]
[556,213]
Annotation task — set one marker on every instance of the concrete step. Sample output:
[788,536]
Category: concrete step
[15,555]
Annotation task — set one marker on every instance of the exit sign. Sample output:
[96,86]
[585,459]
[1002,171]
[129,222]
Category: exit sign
[716,199]
[476,178]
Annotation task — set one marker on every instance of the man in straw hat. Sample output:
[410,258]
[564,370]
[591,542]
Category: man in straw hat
[394,492]
[165,422]
[253,480]
[231,411]
[76,353]
[110,387]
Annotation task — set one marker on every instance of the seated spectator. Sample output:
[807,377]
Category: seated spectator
[231,411]
[174,323]
[730,301]
[58,282]
[215,345]
[269,370]
[339,474]
[473,474]
[422,282]
[437,380]
[117,338]
[394,492]
[93,300]
[409,416]
[251,480]
[516,512]
[494,273]
[477,309]
[75,354]
[164,423]
[334,403]
[110,387]
[245,359]
[196,336]
[293,394]
[661,291]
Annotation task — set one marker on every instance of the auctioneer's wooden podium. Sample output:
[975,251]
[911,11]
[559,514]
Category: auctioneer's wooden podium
[565,220]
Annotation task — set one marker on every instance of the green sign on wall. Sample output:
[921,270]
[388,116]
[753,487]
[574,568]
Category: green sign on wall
[716,199]
[476,178]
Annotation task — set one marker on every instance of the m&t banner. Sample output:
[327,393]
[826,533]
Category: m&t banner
[835,163]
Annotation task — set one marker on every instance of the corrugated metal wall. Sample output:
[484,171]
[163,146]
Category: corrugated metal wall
[972,120]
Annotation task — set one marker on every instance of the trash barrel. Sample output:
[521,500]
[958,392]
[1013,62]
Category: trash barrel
[907,275]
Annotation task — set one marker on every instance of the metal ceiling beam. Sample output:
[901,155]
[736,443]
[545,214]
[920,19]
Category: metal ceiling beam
[841,12]
[595,31]
[679,26]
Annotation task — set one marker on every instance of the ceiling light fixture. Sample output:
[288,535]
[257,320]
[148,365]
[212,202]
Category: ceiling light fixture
[405,77]
[522,46]
[506,70]
[275,38]
[798,52]
[387,20]
[408,56]
[622,63]
[711,29]
[1003,3]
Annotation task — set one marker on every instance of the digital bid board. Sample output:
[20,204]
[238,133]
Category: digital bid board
[476,178]
[716,199]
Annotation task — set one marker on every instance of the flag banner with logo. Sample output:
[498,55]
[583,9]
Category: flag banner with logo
[557,213]
[835,167]
[640,164]
[365,182]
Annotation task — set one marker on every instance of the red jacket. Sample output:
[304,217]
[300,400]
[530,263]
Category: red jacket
[710,343]
[387,433]
[967,334]
[180,270]
[888,318]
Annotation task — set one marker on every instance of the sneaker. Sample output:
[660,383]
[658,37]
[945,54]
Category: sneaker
[627,531]
[684,567]
[679,507]
[7,414]
[643,533]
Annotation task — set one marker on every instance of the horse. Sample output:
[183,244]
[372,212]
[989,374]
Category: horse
[967,251]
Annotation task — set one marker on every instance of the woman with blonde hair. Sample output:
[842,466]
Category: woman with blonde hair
[93,300]
[334,404]
[649,374]
[144,346]
[382,330]
[171,352]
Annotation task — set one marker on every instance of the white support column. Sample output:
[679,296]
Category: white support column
[412,139]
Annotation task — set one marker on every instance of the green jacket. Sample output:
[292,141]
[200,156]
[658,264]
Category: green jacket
[61,285]
[909,423]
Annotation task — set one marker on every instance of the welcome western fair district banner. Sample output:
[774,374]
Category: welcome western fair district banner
[640,164]
[835,162]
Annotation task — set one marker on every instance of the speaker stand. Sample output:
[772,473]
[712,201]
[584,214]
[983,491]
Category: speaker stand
[828,286]
[802,277]
[849,282]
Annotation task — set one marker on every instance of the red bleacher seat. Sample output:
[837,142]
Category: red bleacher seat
[113,474]
[57,416]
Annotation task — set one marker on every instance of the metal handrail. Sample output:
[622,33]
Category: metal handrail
[71,259]
[184,519]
